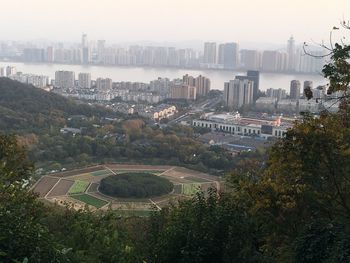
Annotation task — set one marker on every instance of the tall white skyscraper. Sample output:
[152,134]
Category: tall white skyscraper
[209,56]
[84,41]
[100,50]
[86,52]
[291,54]
[251,59]
[238,93]
[228,55]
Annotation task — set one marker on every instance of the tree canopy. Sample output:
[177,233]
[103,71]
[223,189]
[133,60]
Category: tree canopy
[137,185]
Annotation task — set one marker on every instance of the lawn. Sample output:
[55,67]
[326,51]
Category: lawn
[90,200]
[178,189]
[78,187]
[197,179]
[191,189]
[138,171]
[101,172]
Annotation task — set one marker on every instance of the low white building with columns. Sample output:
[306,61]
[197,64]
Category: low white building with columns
[234,124]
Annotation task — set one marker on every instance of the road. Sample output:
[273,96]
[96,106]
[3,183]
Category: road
[197,108]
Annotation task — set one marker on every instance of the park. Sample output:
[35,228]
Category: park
[128,189]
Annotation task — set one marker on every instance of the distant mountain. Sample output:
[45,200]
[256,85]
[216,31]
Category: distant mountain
[24,107]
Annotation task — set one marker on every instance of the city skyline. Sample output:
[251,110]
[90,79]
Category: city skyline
[290,58]
[269,21]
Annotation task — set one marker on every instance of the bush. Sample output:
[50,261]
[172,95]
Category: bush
[137,185]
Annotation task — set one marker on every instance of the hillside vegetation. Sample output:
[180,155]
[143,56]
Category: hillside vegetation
[24,108]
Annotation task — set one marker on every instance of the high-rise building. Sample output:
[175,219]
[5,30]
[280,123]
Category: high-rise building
[209,56]
[100,50]
[308,84]
[173,58]
[148,56]
[278,94]
[282,61]
[84,80]
[104,84]
[250,59]
[160,56]
[86,55]
[84,41]
[294,93]
[253,76]
[10,71]
[189,80]
[183,91]
[238,93]
[3,72]
[319,92]
[270,60]
[34,55]
[312,62]
[202,85]
[50,57]
[64,79]
[291,54]
[221,54]
[228,55]
[86,52]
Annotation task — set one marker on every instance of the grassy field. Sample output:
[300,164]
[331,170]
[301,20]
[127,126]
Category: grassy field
[190,189]
[138,171]
[197,179]
[90,200]
[78,187]
[178,189]
[100,172]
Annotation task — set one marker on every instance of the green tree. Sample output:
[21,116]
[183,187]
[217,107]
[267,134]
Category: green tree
[203,229]
[22,235]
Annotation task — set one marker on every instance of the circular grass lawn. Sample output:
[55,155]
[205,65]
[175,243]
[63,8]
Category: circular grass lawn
[135,185]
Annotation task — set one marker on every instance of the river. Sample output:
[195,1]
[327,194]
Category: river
[146,74]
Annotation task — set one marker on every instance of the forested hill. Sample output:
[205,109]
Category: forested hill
[24,107]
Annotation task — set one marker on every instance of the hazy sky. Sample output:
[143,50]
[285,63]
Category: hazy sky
[269,21]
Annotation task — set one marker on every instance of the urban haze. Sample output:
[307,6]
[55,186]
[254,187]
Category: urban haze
[174,131]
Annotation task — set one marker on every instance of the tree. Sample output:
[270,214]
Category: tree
[203,229]
[22,235]
[302,196]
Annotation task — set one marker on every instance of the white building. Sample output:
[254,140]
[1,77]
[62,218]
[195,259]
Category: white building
[103,84]
[234,124]
[64,79]
[84,80]
[159,112]
[10,71]
[238,93]
[287,105]
[309,105]
[38,81]
[266,104]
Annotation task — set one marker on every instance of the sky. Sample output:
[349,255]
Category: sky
[252,21]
